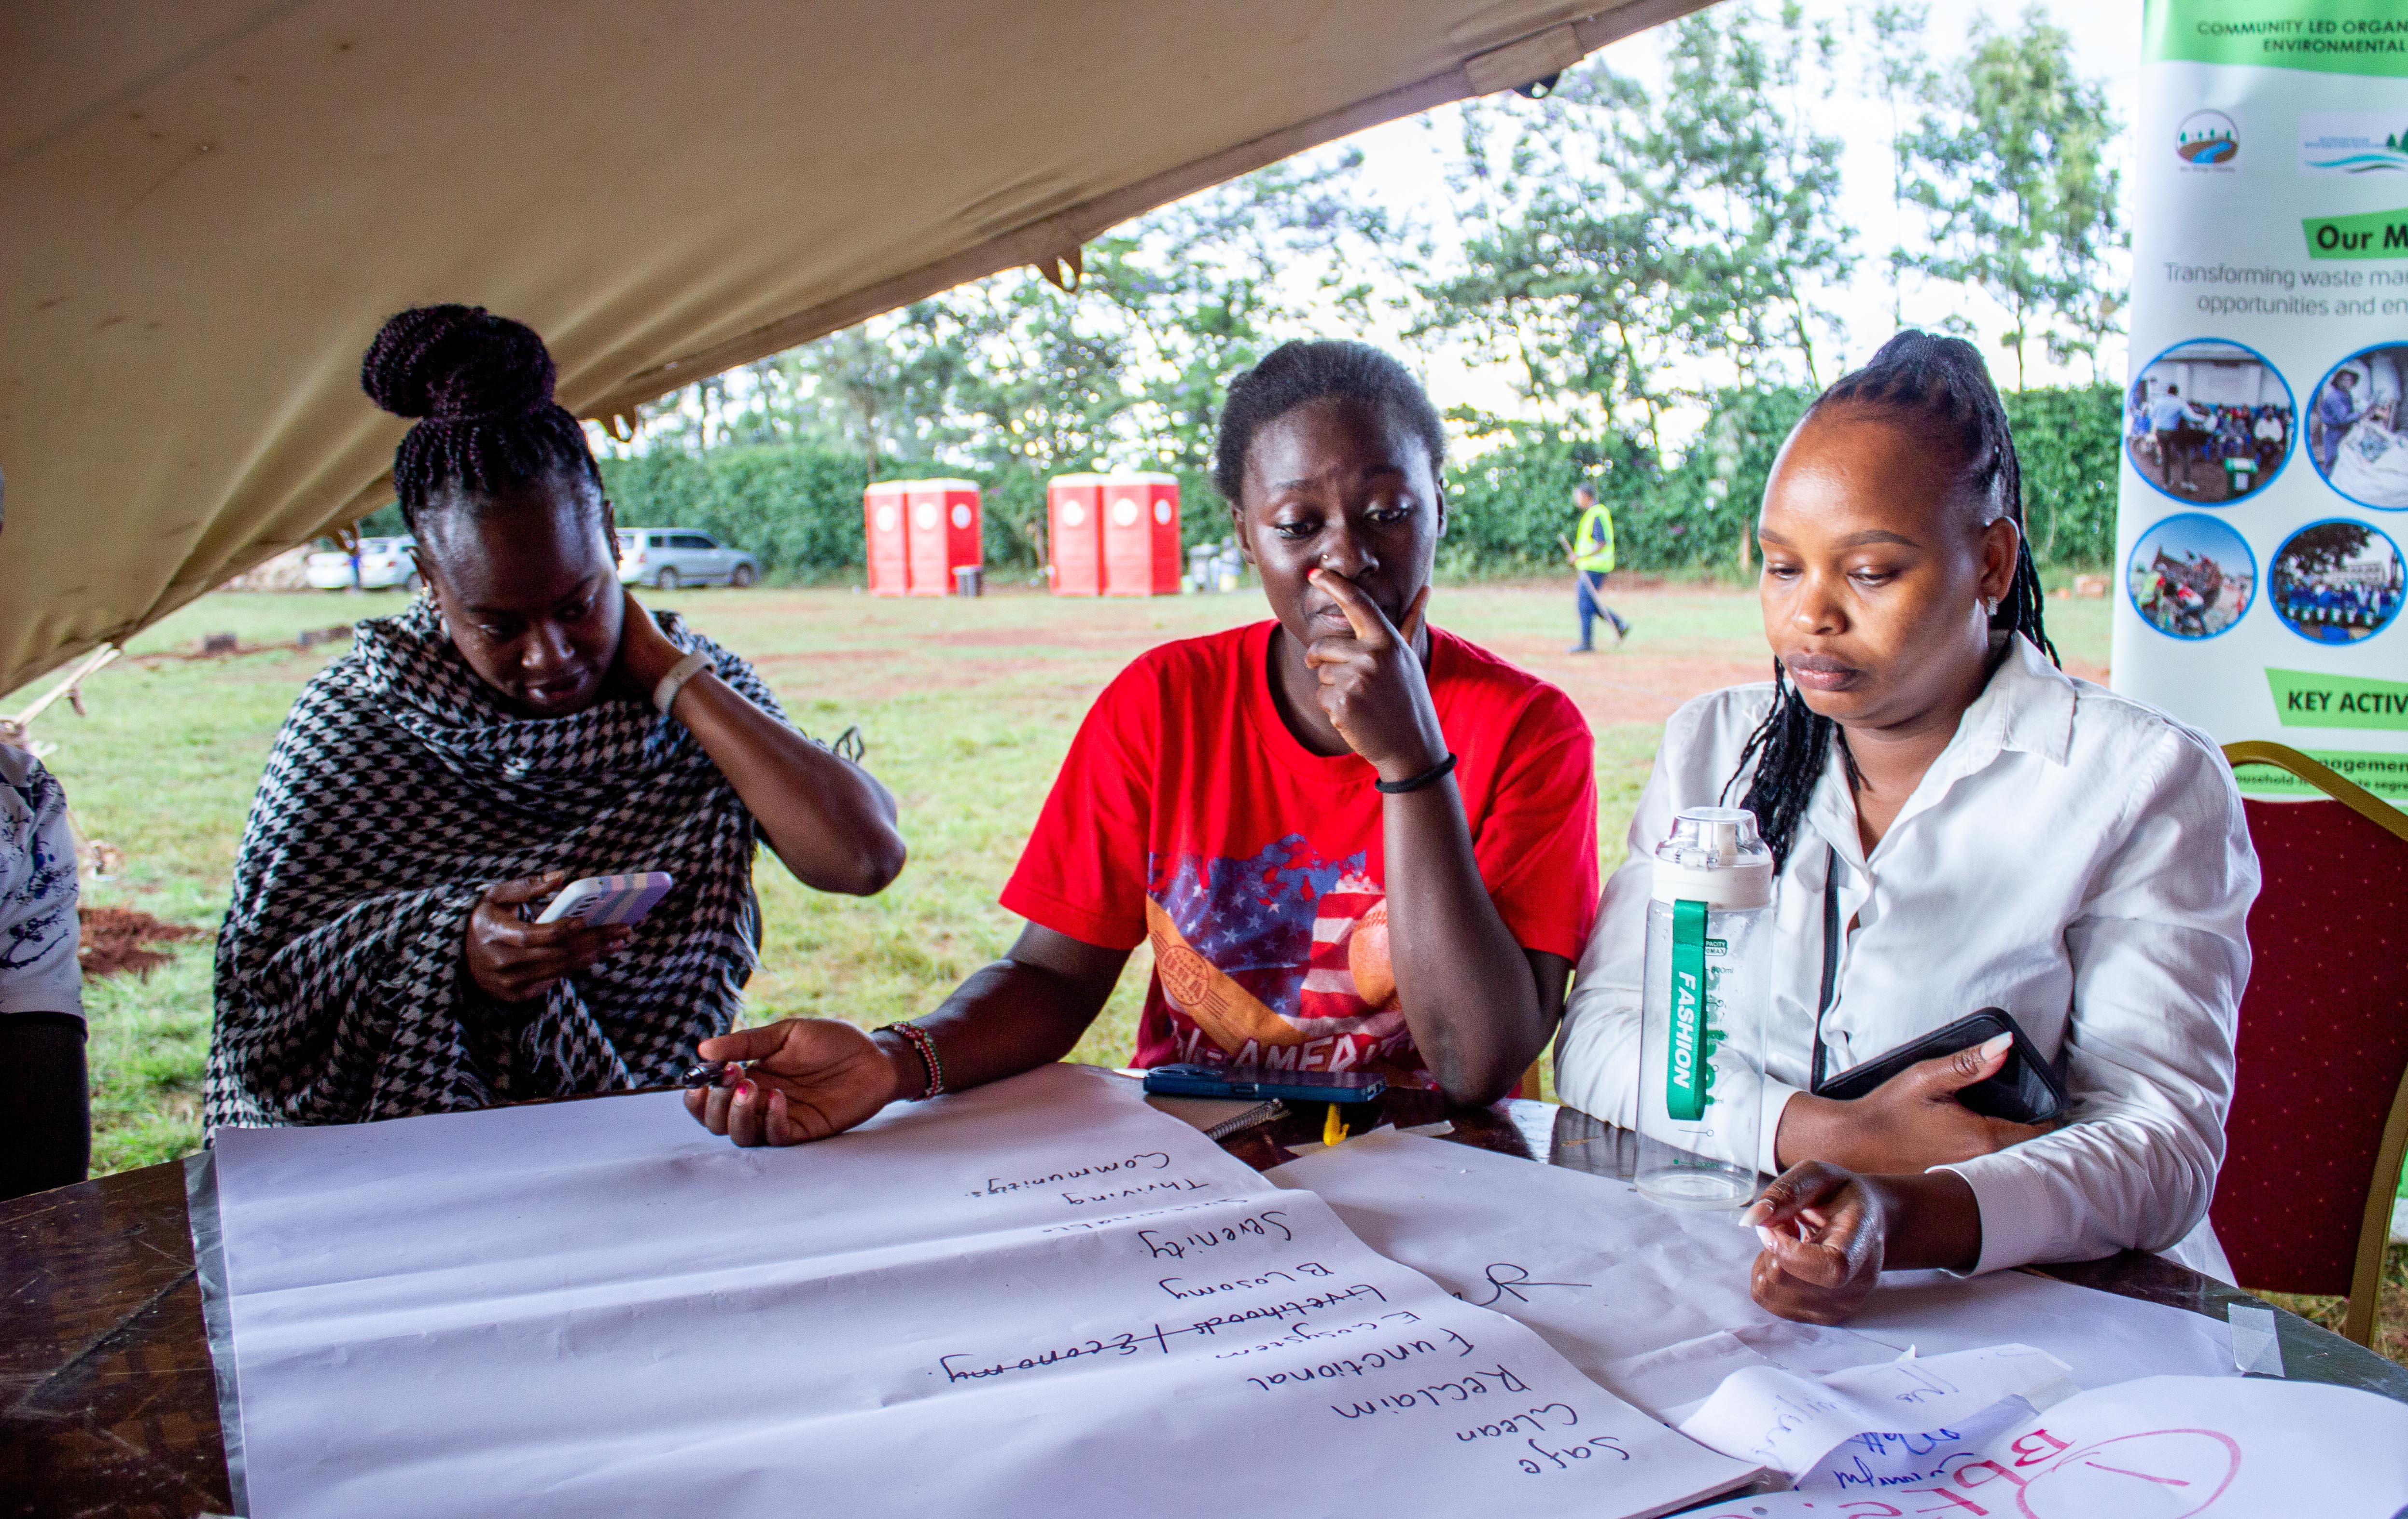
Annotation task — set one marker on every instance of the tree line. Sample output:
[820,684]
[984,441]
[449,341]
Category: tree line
[1647,268]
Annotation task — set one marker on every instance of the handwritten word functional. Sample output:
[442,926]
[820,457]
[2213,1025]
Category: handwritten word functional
[1364,1363]
[1437,1395]
[997,1186]
[1260,1226]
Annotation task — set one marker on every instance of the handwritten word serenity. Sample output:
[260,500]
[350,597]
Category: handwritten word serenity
[1178,1247]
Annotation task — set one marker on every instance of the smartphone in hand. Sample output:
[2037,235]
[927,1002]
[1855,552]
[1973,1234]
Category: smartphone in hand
[600,900]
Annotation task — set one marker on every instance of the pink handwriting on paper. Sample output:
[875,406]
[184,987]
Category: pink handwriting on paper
[2158,1474]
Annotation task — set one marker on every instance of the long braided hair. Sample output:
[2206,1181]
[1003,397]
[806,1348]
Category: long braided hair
[481,387]
[1940,386]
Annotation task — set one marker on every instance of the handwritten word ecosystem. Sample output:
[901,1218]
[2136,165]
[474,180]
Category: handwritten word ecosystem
[1043,1297]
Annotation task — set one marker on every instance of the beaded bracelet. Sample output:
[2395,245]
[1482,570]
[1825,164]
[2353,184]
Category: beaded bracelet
[927,1048]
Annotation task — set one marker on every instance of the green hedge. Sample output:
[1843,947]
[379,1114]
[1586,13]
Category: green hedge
[1510,502]
[799,509]
[2067,441]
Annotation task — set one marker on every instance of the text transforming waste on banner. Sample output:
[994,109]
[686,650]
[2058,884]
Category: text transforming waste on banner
[2265,481]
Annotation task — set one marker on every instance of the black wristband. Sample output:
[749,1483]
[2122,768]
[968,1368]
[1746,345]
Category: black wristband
[1430,777]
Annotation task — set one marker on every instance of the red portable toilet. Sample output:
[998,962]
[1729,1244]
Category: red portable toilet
[883,510]
[1074,528]
[1140,534]
[944,533]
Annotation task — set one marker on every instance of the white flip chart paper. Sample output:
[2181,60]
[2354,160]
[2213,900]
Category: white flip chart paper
[1608,1277]
[2157,1448]
[1875,1425]
[1036,1297]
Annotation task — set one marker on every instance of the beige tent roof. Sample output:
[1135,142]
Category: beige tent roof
[210,205]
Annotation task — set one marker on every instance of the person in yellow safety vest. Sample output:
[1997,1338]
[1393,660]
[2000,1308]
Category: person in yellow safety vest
[1592,561]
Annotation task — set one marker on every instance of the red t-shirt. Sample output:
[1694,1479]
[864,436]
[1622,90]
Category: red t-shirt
[1187,814]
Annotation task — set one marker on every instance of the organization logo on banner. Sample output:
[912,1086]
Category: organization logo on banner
[2207,139]
[2353,142]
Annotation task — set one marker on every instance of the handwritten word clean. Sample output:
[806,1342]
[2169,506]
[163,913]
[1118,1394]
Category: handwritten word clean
[1530,1421]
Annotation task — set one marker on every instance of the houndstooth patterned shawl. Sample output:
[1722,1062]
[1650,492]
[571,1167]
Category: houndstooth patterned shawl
[399,789]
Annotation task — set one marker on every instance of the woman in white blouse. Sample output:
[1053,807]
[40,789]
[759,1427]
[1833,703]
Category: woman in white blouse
[1998,834]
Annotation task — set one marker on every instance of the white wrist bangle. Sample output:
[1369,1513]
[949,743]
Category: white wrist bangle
[665,694]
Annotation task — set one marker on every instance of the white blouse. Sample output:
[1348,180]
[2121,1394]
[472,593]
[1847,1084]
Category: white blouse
[2073,856]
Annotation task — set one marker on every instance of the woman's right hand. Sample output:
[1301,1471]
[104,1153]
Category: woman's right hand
[1910,1123]
[513,960]
[802,1079]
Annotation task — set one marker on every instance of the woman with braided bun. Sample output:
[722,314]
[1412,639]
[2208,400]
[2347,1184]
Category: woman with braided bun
[523,723]
[1987,832]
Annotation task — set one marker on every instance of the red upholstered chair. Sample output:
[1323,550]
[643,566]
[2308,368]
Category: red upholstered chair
[2320,1105]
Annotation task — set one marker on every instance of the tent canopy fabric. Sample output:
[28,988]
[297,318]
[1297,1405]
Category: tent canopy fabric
[210,205]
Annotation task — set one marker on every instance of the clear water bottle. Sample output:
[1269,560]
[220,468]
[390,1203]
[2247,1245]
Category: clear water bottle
[1710,936]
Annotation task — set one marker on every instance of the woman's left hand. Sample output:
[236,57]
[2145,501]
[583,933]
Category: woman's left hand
[645,652]
[1373,686]
[1825,1232]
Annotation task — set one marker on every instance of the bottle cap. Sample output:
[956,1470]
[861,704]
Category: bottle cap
[1715,856]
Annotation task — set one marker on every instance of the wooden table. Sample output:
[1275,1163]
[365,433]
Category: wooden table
[109,1404]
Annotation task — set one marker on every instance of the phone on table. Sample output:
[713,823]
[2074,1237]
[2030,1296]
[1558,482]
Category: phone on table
[2025,1090]
[598,901]
[1195,1080]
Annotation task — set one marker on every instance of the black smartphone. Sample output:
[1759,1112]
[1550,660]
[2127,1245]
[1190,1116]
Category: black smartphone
[1258,1082]
[2025,1090]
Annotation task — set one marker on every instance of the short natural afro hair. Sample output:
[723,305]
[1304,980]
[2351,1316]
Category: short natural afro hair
[1298,374]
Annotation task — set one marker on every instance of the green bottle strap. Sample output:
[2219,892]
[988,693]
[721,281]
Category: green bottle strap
[1685,1072]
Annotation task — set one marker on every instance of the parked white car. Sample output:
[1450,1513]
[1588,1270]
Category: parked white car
[668,557]
[384,565]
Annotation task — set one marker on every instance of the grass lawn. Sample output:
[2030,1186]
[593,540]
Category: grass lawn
[967,707]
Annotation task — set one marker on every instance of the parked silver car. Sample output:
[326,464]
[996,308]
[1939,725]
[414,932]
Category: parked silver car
[668,557]
[385,565]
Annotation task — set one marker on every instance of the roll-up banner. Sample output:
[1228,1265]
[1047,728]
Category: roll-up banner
[2264,501]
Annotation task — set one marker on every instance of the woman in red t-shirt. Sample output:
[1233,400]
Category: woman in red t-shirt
[1354,839]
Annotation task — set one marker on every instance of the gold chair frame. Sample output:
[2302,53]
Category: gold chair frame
[2374,1228]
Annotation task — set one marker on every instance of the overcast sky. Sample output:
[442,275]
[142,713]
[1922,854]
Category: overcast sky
[1403,169]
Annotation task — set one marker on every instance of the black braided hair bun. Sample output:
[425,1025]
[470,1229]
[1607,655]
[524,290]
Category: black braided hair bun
[457,363]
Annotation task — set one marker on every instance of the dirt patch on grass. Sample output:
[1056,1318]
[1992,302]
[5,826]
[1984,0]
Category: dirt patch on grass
[116,939]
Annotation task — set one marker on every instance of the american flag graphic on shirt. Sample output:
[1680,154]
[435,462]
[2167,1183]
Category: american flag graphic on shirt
[1278,960]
